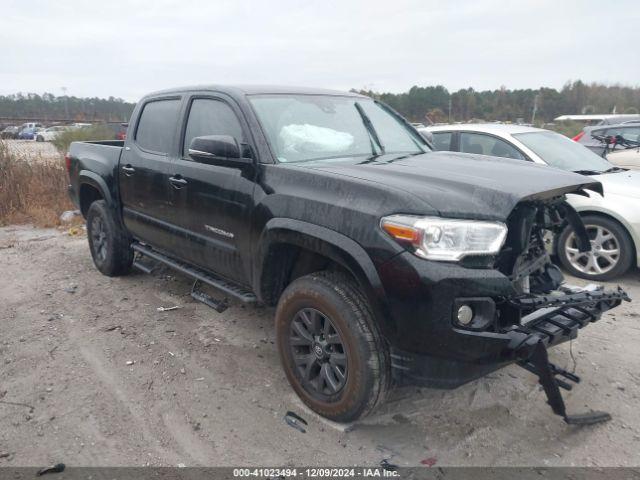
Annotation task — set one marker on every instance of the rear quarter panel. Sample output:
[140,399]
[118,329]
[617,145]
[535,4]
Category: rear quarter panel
[96,164]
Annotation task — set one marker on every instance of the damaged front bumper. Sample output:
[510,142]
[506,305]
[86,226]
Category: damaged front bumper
[469,319]
[558,319]
[545,321]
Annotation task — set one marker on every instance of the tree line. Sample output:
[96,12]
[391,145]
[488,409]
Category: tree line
[436,104]
[50,107]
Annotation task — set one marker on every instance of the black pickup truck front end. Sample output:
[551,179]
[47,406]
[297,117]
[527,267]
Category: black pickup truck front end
[470,318]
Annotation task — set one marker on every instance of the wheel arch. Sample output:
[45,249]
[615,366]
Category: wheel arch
[608,214]
[92,187]
[282,240]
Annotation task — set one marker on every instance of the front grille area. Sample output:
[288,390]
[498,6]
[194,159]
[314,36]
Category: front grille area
[524,257]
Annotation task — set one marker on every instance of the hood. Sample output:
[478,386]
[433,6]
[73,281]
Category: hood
[625,184]
[461,185]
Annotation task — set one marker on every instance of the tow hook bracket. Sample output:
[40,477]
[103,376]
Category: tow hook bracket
[539,364]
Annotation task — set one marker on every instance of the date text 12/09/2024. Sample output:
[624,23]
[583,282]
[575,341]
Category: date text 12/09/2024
[316,472]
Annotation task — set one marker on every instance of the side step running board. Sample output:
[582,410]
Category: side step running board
[142,267]
[232,289]
[218,305]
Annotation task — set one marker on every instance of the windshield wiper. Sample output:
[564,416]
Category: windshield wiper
[374,158]
[371,159]
[369,126]
[588,172]
[615,169]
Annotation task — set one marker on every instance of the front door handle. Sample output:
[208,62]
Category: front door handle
[177,181]
[128,170]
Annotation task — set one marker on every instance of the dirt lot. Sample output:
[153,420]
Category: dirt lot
[33,150]
[207,389]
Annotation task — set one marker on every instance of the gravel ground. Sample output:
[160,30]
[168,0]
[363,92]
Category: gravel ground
[33,150]
[91,374]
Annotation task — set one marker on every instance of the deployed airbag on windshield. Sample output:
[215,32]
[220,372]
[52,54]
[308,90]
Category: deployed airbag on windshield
[307,138]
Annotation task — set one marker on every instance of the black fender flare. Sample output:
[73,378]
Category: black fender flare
[91,178]
[336,246]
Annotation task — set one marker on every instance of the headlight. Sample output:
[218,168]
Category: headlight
[446,239]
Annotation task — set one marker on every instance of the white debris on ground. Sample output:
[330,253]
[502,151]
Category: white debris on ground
[69,216]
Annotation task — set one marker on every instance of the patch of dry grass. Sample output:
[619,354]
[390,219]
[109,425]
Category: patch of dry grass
[94,132]
[32,191]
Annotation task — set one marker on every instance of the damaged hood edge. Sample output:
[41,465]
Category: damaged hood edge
[594,186]
[468,186]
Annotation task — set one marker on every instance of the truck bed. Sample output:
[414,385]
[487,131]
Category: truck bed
[96,162]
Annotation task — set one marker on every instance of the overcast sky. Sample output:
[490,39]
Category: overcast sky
[126,49]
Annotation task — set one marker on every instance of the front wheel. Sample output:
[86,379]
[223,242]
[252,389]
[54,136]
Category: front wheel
[611,252]
[330,347]
[39,138]
[109,244]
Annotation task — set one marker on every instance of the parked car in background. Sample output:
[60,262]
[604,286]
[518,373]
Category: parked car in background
[10,132]
[598,119]
[30,125]
[585,137]
[51,133]
[621,143]
[119,130]
[28,130]
[29,133]
[612,221]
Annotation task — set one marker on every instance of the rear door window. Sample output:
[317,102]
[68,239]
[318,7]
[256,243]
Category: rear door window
[628,133]
[157,125]
[210,117]
[487,145]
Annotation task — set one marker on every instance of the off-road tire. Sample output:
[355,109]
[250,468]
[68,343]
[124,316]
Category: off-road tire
[368,379]
[622,238]
[114,257]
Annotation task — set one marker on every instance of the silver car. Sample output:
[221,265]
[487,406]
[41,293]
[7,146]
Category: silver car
[608,122]
[612,221]
[626,151]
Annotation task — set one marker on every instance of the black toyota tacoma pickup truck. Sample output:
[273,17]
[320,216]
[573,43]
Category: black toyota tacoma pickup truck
[388,263]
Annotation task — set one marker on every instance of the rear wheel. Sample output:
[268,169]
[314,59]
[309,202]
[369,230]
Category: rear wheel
[330,347]
[110,246]
[611,252]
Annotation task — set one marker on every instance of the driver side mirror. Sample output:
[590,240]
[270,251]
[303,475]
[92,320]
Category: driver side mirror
[219,149]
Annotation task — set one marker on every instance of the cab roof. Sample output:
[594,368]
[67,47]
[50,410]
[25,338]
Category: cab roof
[242,90]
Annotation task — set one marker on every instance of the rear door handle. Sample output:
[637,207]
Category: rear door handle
[177,181]
[128,170]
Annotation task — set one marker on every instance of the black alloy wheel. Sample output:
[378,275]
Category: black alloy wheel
[99,239]
[318,352]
